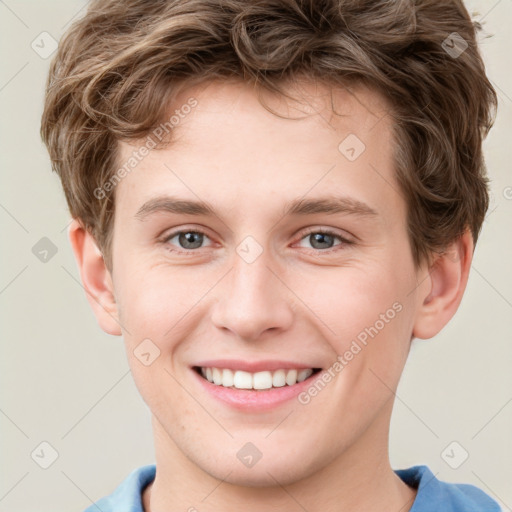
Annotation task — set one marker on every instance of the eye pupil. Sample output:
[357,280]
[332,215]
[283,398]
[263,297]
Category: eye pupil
[320,237]
[188,237]
[190,240]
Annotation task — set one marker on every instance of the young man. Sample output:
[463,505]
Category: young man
[271,199]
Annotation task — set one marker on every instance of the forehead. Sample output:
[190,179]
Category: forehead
[325,111]
[229,142]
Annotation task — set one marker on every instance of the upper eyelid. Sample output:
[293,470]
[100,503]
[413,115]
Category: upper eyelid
[330,231]
[173,233]
[302,234]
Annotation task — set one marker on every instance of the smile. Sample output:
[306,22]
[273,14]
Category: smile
[261,380]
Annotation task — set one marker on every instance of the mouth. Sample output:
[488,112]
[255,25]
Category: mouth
[255,381]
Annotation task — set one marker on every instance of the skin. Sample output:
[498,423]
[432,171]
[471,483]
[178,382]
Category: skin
[294,302]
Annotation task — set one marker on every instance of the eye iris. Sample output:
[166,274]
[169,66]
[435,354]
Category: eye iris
[320,237]
[187,237]
[194,239]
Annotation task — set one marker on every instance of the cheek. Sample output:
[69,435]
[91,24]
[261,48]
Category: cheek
[348,299]
[365,315]
[158,310]
[153,301]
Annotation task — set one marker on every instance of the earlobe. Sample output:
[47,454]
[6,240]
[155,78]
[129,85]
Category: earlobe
[95,277]
[442,292]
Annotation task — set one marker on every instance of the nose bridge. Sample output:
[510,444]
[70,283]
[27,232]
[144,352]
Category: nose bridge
[252,299]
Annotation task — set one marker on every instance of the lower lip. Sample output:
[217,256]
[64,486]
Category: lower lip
[255,400]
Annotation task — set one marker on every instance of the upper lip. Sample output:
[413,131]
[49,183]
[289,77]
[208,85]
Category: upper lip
[252,366]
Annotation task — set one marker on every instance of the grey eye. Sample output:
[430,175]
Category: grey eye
[321,240]
[187,239]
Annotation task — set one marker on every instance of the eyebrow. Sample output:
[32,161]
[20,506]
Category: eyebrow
[328,205]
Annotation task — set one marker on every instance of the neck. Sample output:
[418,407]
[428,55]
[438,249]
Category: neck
[359,479]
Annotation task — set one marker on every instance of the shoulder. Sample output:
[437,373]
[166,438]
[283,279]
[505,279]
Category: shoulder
[439,496]
[128,495]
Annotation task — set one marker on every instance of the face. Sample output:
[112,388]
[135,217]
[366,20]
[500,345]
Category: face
[300,261]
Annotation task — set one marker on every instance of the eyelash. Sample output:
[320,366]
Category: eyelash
[344,241]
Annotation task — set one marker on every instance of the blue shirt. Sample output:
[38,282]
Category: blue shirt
[433,495]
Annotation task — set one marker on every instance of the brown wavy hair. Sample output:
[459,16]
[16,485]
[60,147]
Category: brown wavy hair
[118,68]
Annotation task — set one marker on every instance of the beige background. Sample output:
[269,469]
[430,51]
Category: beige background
[65,382]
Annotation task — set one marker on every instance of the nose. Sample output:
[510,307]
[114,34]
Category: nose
[252,300]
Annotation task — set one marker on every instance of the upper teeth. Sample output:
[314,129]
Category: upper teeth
[259,380]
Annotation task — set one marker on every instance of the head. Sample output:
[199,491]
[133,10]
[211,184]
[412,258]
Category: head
[251,110]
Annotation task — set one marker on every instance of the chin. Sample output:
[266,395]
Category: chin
[264,477]
[270,471]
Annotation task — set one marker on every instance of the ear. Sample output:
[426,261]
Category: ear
[442,291]
[96,278]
